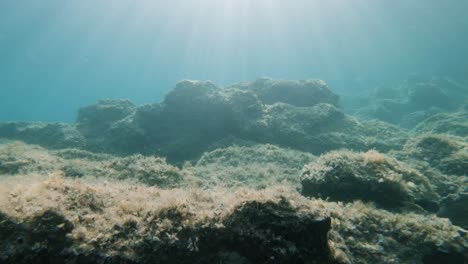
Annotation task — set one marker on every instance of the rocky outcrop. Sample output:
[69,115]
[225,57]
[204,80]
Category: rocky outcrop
[112,223]
[447,153]
[196,115]
[256,166]
[454,207]
[92,221]
[297,93]
[412,101]
[370,176]
[50,135]
[453,123]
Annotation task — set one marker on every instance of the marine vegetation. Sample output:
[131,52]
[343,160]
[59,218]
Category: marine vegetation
[268,171]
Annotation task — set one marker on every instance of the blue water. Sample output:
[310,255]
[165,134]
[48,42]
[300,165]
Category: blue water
[56,56]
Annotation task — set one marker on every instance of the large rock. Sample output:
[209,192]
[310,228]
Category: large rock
[370,176]
[97,118]
[412,101]
[323,127]
[95,122]
[196,115]
[297,93]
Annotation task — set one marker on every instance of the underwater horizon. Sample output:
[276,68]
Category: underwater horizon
[234,132]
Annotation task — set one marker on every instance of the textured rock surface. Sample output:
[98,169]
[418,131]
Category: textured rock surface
[52,219]
[17,159]
[297,93]
[447,123]
[453,206]
[369,176]
[234,197]
[447,153]
[196,115]
[412,101]
[256,166]
[115,223]
[50,135]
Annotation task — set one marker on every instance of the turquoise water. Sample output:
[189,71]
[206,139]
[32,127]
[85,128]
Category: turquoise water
[56,56]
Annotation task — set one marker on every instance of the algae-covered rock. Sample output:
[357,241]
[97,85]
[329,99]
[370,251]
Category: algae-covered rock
[454,207]
[50,135]
[297,93]
[286,235]
[300,127]
[447,153]
[96,118]
[147,170]
[323,127]
[370,176]
[40,240]
[195,115]
[17,158]
[454,123]
[192,116]
[412,101]
[95,122]
[52,219]
[136,224]
[368,235]
[256,166]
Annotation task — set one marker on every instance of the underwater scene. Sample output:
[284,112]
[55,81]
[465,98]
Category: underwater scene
[234,131]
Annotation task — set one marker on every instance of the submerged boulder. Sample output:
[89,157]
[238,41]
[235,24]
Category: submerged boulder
[95,122]
[100,116]
[323,127]
[370,176]
[297,93]
[411,101]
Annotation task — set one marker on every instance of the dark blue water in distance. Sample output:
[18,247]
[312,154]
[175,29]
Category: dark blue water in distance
[56,56]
